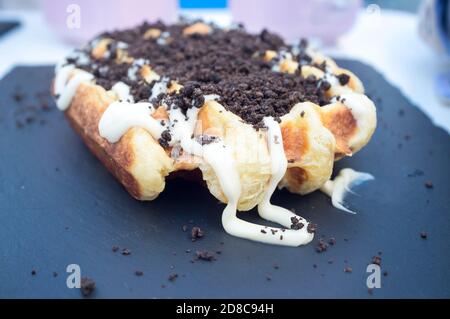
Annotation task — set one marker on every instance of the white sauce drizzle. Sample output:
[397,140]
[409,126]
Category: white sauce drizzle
[123,92]
[119,117]
[65,89]
[338,188]
[357,103]
[274,213]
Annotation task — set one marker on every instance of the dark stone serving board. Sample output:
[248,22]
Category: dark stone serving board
[7,26]
[59,206]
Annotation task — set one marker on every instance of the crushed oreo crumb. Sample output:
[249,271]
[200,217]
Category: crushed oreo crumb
[87,286]
[321,246]
[139,273]
[423,235]
[205,255]
[376,260]
[312,228]
[126,252]
[173,277]
[196,233]
[343,79]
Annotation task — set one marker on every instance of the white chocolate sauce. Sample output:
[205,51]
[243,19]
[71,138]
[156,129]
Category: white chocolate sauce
[123,92]
[338,188]
[66,88]
[358,105]
[274,213]
[119,117]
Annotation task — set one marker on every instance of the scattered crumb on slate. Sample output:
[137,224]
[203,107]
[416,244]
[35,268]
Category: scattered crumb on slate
[139,273]
[276,266]
[348,269]
[429,184]
[376,260]
[87,286]
[126,252]
[55,274]
[115,248]
[205,255]
[33,272]
[184,228]
[196,233]
[173,277]
[423,235]
[332,241]
[321,246]
[385,273]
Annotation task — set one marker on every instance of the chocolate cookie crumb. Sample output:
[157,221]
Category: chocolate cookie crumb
[376,260]
[55,274]
[173,277]
[332,241]
[429,184]
[263,231]
[296,224]
[312,228]
[385,273]
[33,272]
[126,252]
[196,233]
[139,273]
[87,286]
[423,235]
[321,246]
[205,255]
[348,269]
[343,79]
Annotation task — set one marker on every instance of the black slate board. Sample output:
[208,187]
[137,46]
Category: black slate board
[6,26]
[58,206]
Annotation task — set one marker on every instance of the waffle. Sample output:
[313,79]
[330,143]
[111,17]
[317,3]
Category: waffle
[249,112]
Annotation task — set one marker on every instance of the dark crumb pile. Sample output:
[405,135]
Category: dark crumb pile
[87,286]
[226,63]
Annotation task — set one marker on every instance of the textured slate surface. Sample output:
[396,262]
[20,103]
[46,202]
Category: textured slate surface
[59,206]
